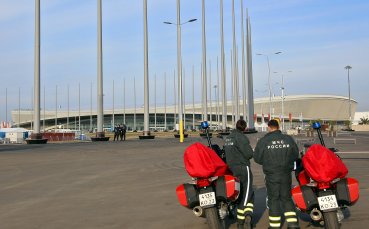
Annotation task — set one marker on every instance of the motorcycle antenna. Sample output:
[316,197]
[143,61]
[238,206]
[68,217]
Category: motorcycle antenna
[205,126]
[317,127]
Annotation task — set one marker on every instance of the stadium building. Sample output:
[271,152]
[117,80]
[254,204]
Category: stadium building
[298,110]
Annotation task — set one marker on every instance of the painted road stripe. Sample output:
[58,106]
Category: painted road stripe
[358,152]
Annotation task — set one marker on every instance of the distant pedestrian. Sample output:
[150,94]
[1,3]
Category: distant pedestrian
[123,132]
[116,133]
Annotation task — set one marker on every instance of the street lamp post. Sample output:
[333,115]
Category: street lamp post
[348,68]
[282,102]
[179,70]
[269,81]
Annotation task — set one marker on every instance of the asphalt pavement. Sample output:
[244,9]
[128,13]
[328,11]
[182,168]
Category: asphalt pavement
[129,184]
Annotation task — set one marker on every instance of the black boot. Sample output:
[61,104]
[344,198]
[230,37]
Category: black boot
[248,222]
[293,226]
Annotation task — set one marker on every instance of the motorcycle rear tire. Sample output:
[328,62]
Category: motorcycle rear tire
[331,220]
[212,218]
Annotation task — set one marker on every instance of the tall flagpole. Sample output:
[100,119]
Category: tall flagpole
[232,88]
[184,98]
[165,101]
[134,99]
[244,86]
[175,101]
[146,132]
[113,115]
[36,136]
[223,72]
[217,92]
[56,107]
[100,134]
[19,98]
[79,106]
[204,90]
[235,71]
[155,102]
[43,122]
[250,87]
[124,101]
[91,129]
[67,108]
[6,107]
[193,97]
[210,98]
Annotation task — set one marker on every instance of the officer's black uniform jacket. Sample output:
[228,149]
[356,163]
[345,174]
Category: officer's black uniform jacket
[276,152]
[237,148]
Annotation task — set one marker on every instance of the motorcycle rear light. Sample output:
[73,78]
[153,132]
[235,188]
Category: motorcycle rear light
[203,183]
[323,185]
[298,198]
[312,184]
[232,186]
[181,195]
[335,180]
[353,187]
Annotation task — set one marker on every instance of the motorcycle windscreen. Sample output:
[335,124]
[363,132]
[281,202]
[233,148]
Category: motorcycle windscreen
[203,162]
[322,165]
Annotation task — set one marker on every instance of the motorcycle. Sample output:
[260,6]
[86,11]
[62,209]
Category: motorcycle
[213,190]
[323,190]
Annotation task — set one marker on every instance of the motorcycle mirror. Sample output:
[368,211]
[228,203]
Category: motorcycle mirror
[204,125]
[316,125]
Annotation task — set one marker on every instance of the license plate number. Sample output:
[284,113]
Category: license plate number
[207,199]
[327,202]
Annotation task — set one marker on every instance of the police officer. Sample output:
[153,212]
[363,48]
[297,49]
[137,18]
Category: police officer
[276,152]
[238,154]
[123,134]
[116,133]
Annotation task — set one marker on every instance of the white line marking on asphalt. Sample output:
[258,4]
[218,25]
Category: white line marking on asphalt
[357,152]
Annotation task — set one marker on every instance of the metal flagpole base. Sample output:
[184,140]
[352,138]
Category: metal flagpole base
[223,133]
[250,131]
[203,135]
[178,136]
[146,135]
[100,137]
[36,139]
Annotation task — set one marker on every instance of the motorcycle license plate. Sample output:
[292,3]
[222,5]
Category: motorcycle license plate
[327,202]
[207,199]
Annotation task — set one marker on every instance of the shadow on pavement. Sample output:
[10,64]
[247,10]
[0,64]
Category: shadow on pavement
[259,203]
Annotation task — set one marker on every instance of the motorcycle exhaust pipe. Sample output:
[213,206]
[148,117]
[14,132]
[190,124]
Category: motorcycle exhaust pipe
[316,215]
[198,211]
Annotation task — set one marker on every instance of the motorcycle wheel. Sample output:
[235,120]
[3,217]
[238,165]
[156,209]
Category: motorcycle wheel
[212,218]
[331,220]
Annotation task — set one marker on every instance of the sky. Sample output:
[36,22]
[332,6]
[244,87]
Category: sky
[317,40]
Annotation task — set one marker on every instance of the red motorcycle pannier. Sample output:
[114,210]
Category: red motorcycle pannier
[304,198]
[227,187]
[322,165]
[347,191]
[187,195]
[203,162]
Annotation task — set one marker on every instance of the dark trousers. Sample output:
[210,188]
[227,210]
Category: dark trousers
[116,136]
[280,200]
[246,198]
